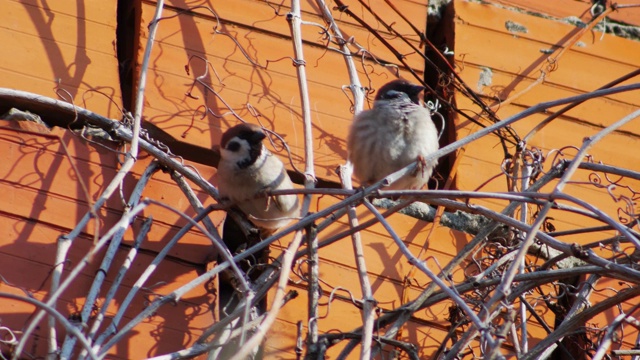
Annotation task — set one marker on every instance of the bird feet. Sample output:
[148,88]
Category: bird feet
[422,164]
[269,199]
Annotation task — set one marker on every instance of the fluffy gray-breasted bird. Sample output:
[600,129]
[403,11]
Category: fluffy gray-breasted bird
[397,131]
[247,168]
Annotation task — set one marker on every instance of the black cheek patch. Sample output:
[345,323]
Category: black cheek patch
[233,146]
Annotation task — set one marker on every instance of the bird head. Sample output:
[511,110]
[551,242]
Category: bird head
[242,144]
[400,89]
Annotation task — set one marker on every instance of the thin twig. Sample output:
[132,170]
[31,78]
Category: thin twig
[503,289]
[58,317]
[123,223]
[345,177]
[67,346]
[215,240]
[124,268]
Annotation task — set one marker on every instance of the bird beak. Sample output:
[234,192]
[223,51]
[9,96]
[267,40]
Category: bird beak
[257,137]
[414,92]
[416,89]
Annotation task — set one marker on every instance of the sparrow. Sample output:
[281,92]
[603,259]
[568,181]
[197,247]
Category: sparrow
[248,169]
[246,172]
[395,132]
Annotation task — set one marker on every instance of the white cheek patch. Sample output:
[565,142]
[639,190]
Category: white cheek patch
[236,156]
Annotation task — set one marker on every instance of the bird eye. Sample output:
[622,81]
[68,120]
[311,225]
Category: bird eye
[233,146]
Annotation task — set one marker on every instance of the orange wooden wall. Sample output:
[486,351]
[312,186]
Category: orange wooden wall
[515,59]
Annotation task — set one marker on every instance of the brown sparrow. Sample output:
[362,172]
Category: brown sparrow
[246,170]
[397,131]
